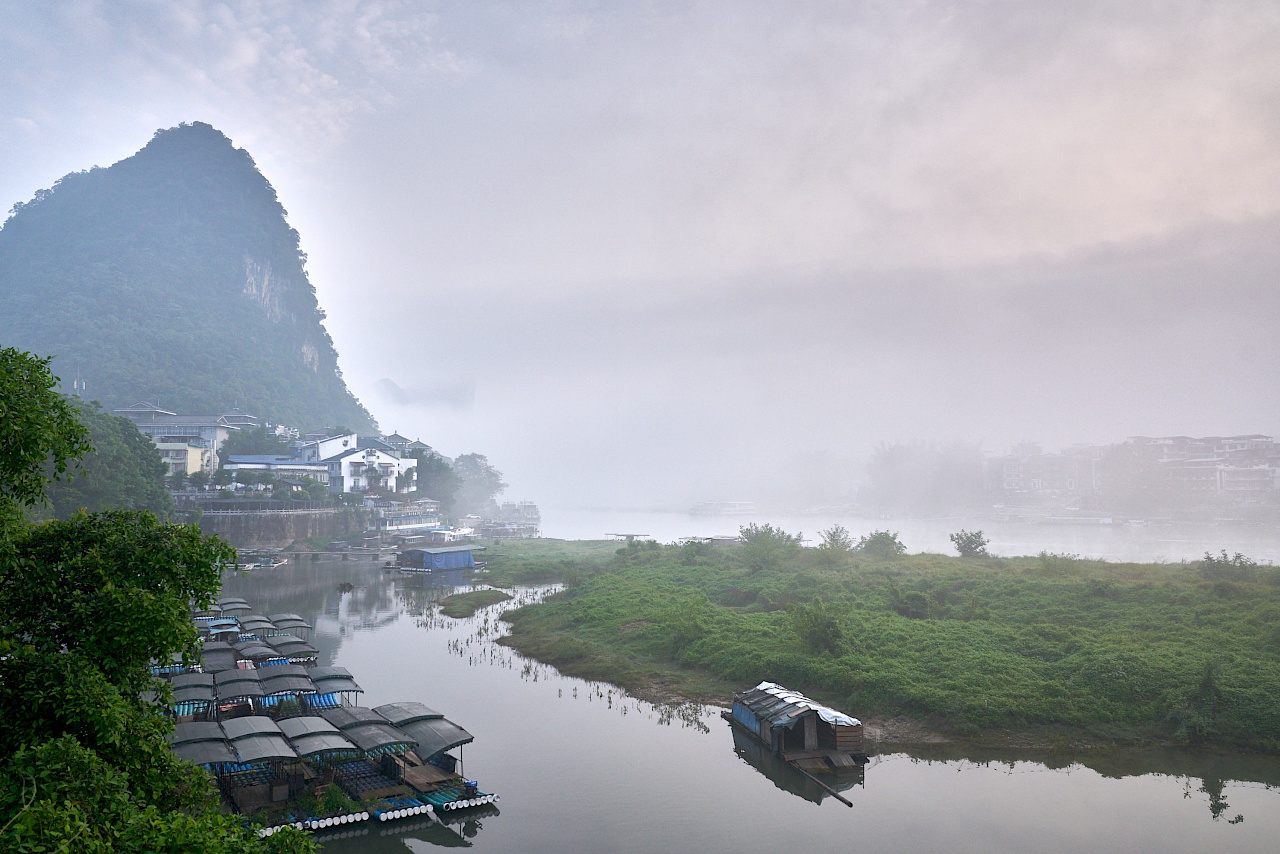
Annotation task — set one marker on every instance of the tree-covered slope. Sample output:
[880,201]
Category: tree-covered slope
[173,276]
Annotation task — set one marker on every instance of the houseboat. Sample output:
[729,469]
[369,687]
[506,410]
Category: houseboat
[439,559]
[811,737]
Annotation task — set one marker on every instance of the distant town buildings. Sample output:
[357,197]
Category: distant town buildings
[344,462]
[1141,474]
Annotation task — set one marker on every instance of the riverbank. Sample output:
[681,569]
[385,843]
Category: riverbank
[1043,652]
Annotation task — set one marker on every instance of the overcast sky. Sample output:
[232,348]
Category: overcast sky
[647,254]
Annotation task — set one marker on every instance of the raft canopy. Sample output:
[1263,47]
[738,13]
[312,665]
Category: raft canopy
[257,739]
[237,684]
[312,736]
[286,679]
[289,621]
[217,656]
[334,680]
[290,646]
[370,731]
[434,733]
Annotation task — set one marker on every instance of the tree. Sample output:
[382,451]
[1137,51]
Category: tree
[316,491]
[40,434]
[479,484]
[836,543]
[259,440]
[970,543]
[880,544]
[199,479]
[437,480]
[89,602]
[123,469]
[836,539]
[766,547]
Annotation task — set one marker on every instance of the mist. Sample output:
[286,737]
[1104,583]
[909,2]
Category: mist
[645,255]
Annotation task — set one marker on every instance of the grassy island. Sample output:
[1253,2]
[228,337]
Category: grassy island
[466,604]
[1044,648]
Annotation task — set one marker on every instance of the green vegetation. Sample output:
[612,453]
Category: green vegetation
[970,543]
[89,603]
[544,561]
[1186,652]
[259,440]
[173,275]
[478,484]
[123,471]
[880,544]
[466,604]
[436,480]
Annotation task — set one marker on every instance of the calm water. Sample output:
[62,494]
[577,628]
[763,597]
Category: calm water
[581,767]
[1131,542]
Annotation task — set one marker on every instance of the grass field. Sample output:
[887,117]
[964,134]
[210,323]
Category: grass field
[1176,652]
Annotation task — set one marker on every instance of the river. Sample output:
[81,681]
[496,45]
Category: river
[582,767]
[1143,542]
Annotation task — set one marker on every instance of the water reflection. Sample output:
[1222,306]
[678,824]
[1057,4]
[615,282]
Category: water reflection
[585,766]
[787,778]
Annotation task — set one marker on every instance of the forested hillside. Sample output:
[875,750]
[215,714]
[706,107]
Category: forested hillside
[173,276]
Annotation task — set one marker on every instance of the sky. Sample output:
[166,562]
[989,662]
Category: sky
[645,254]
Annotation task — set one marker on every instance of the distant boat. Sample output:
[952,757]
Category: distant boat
[249,559]
[723,508]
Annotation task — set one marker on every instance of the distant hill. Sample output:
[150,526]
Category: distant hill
[173,276]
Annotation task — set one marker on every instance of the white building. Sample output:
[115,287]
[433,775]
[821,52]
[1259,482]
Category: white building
[361,469]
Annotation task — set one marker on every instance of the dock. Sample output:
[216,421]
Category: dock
[274,730]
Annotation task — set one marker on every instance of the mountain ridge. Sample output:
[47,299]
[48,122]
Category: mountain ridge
[173,275]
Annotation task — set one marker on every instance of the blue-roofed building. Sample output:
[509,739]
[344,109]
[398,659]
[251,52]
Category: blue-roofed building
[281,465]
[439,559]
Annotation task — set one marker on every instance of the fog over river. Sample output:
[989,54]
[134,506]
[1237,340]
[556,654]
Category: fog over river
[581,766]
[1116,542]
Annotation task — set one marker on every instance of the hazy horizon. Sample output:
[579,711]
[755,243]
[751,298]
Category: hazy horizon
[645,255]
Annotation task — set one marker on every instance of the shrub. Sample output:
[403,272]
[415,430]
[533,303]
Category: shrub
[880,544]
[970,543]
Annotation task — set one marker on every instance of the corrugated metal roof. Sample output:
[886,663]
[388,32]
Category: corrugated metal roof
[782,707]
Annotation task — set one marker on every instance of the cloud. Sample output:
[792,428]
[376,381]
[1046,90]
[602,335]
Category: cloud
[459,395]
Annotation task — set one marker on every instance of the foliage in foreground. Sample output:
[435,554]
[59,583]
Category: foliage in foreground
[89,602]
[1189,652]
[123,471]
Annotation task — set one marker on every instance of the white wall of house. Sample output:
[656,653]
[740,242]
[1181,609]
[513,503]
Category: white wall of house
[360,470]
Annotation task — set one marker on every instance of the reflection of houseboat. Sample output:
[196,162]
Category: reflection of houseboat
[785,776]
[811,737]
[439,559]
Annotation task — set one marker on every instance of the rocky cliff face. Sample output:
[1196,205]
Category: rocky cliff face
[173,276]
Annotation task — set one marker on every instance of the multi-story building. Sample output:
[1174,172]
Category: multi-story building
[207,432]
[185,458]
